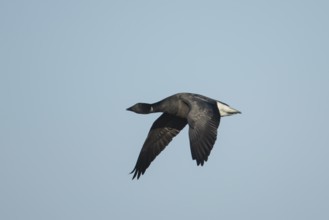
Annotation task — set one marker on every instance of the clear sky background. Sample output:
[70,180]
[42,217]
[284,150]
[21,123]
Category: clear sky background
[69,69]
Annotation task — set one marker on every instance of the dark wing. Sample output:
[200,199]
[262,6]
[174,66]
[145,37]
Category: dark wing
[203,121]
[163,130]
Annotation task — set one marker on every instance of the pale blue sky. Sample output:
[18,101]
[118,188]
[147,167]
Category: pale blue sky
[69,69]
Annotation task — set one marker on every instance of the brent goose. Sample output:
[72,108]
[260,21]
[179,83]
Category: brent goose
[201,113]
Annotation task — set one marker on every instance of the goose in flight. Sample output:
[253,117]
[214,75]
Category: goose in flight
[201,113]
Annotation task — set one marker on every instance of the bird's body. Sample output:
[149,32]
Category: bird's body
[201,113]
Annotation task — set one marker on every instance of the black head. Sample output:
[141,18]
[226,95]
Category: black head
[141,108]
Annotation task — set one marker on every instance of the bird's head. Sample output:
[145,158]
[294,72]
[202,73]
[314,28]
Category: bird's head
[141,108]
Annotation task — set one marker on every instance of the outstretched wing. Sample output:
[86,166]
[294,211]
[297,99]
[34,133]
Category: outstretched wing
[203,122]
[163,130]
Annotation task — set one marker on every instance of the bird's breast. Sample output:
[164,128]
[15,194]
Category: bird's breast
[182,110]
